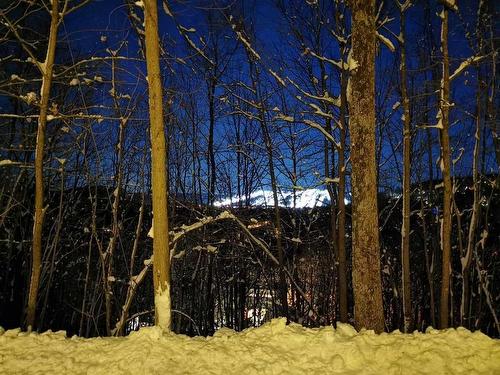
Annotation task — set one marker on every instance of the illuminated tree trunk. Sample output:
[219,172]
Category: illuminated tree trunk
[445,169]
[367,285]
[405,228]
[161,252]
[342,257]
[341,214]
[46,69]
[212,83]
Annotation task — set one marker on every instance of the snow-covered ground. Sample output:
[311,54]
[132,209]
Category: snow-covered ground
[304,198]
[273,348]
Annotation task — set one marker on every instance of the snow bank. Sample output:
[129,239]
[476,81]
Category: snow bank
[271,349]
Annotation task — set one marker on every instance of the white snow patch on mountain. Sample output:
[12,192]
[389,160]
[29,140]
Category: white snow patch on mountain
[274,348]
[303,198]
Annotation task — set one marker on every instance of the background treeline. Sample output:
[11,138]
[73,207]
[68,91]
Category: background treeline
[255,97]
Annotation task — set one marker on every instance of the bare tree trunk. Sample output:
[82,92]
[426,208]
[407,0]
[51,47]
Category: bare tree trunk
[277,221]
[367,284]
[115,226]
[46,70]
[161,251]
[430,234]
[53,249]
[466,259]
[329,166]
[211,155]
[341,214]
[429,260]
[405,228]
[446,171]
[85,288]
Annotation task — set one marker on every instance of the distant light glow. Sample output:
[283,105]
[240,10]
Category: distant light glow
[307,198]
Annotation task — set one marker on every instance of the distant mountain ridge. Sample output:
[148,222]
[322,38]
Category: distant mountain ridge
[306,198]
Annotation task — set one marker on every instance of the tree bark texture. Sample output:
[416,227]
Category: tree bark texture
[36,263]
[342,256]
[161,253]
[405,228]
[446,171]
[367,285]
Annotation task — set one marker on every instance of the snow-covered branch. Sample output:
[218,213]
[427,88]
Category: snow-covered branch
[465,64]
[337,63]
[320,128]
[246,43]
[280,80]
[386,41]
[325,98]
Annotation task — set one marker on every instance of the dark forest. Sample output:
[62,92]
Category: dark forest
[324,161]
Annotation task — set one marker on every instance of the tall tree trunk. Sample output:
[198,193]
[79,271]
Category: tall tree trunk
[466,259]
[53,249]
[341,214]
[277,222]
[329,147]
[429,259]
[161,251]
[367,284]
[431,250]
[405,228]
[430,232]
[107,256]
[446,171]
[46,70]
[211,155]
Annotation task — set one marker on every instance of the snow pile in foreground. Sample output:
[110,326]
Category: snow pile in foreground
[271,349]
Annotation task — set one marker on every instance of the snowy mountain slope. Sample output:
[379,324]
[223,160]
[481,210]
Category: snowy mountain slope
[304,198]
[274,348]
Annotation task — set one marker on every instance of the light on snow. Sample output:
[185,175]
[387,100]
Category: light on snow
[274,348]
[305,198]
